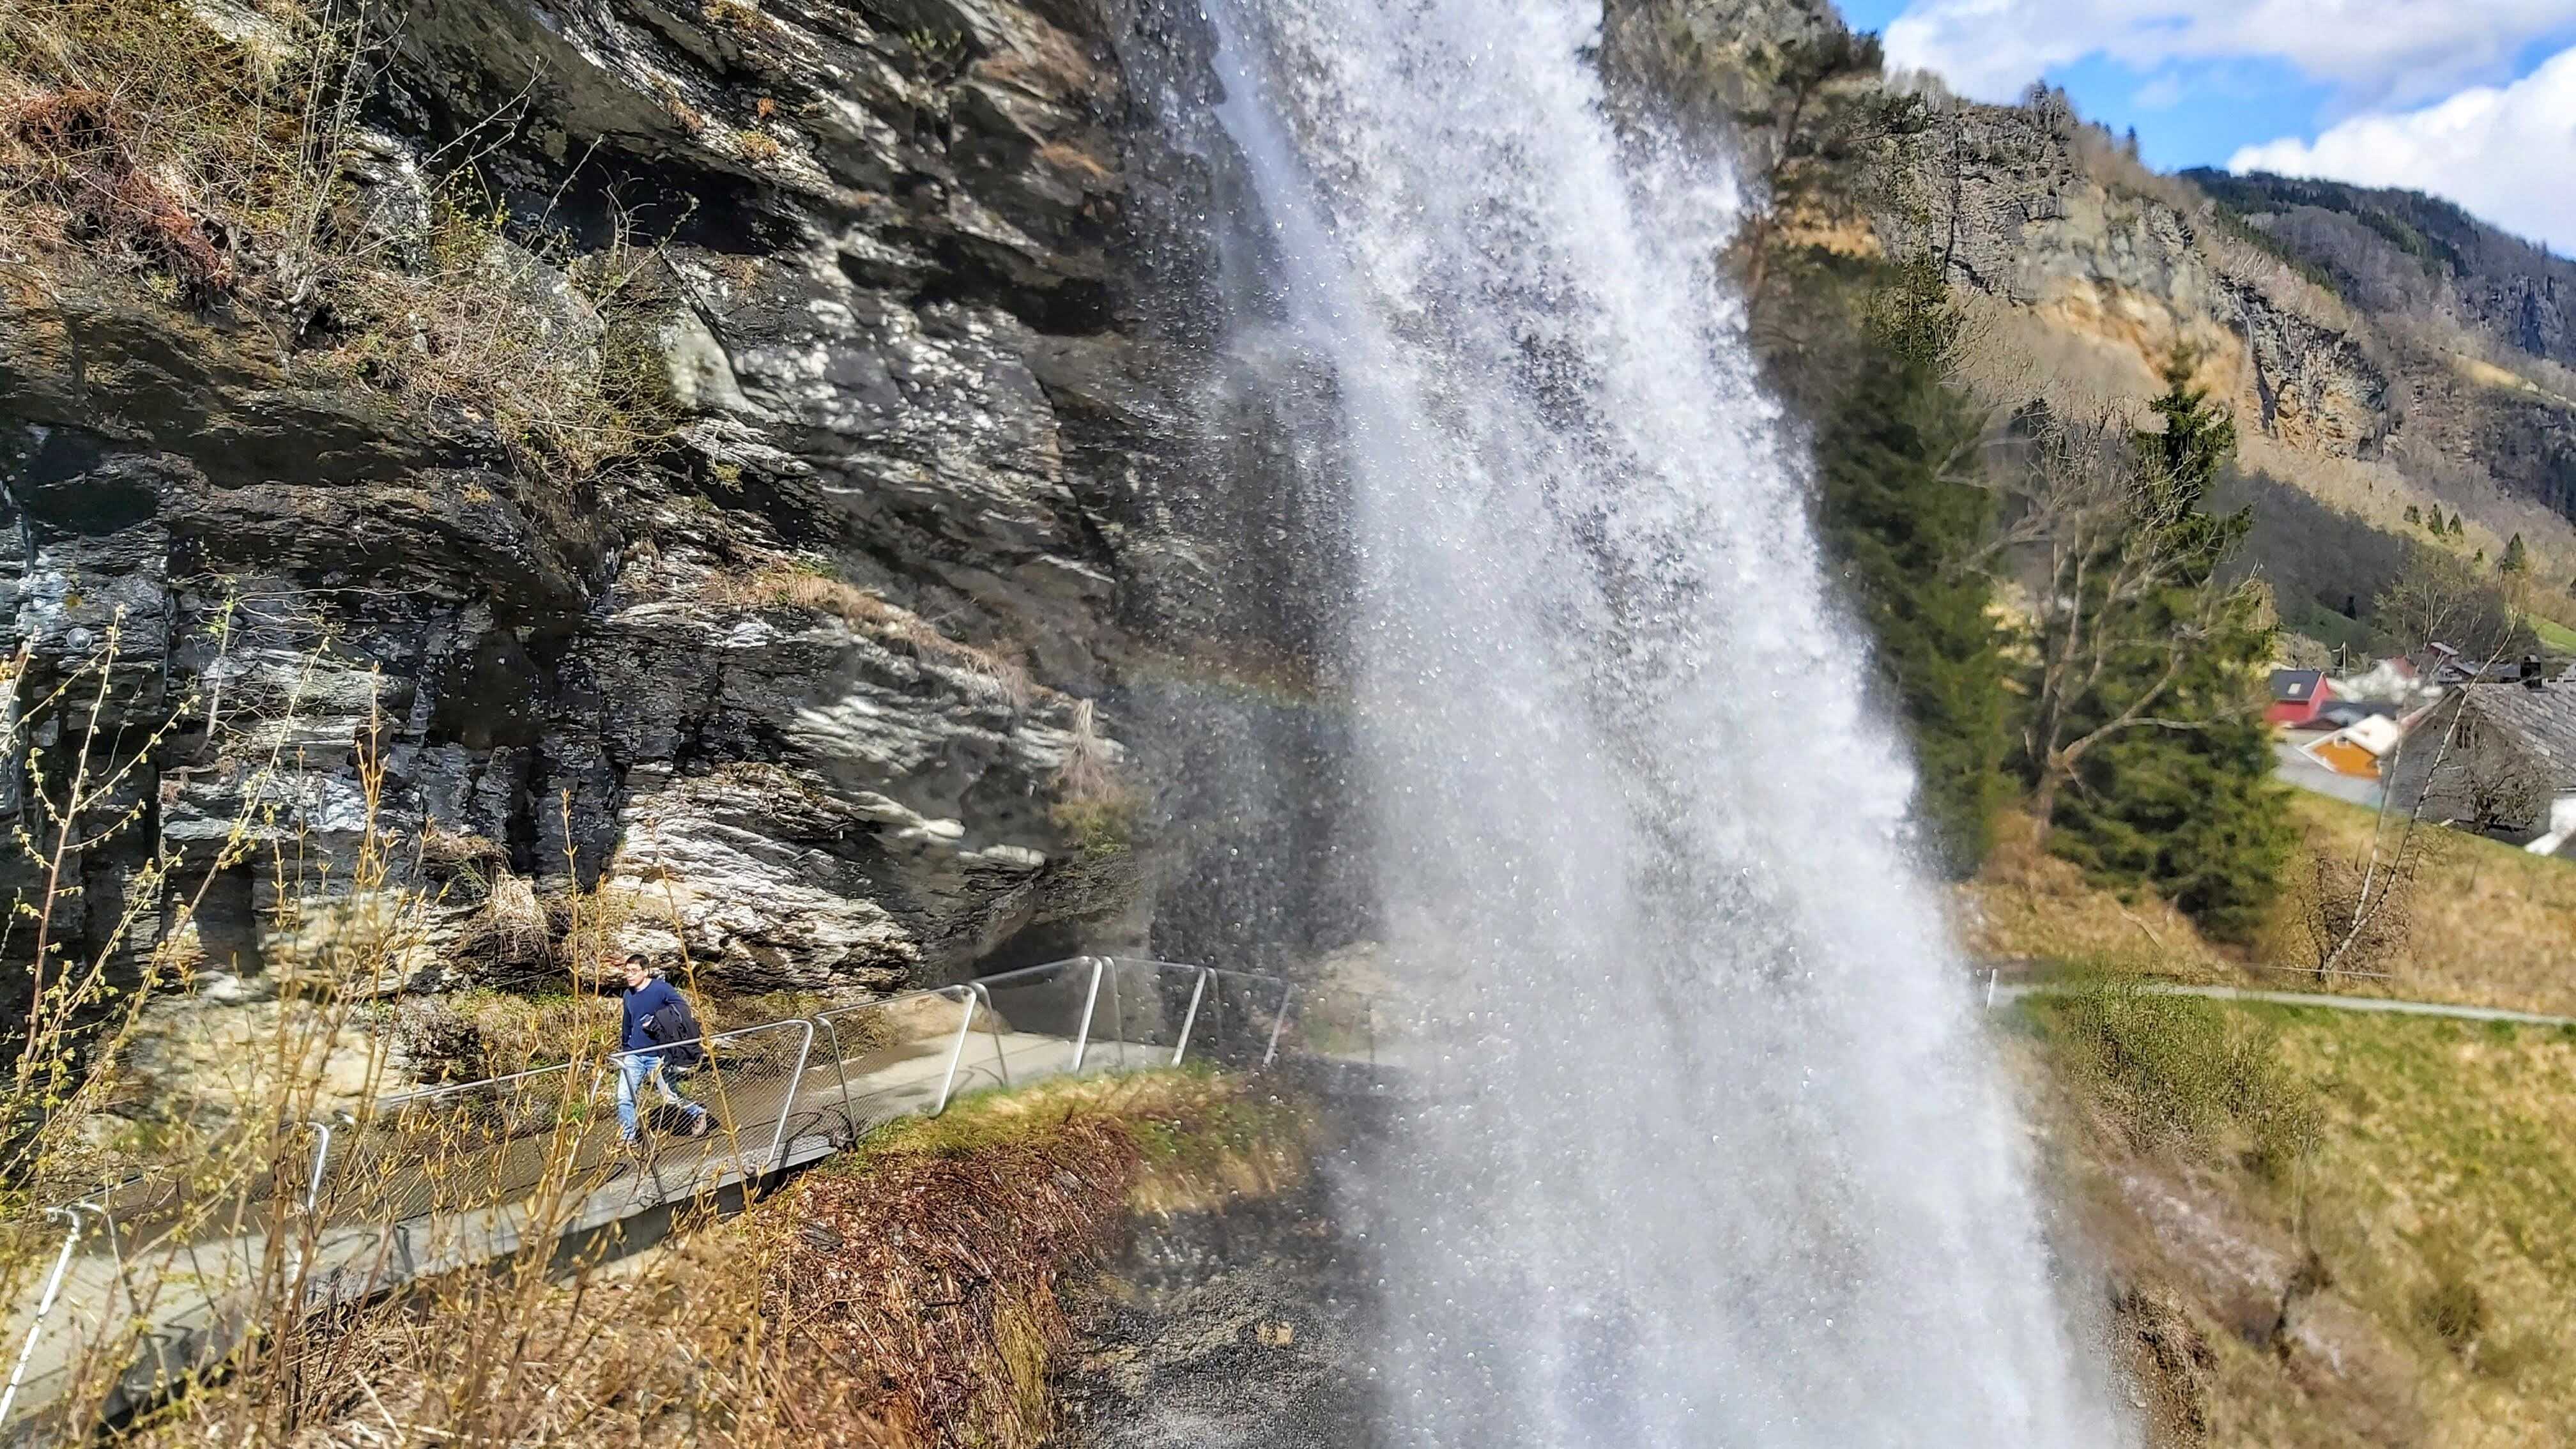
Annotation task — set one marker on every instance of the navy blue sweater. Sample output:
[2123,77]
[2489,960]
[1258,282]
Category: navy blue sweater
[641,1003]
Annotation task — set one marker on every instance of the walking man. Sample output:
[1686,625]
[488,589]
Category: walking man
[658,1027]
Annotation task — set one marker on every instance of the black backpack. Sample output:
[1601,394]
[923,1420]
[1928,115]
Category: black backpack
[675,1029]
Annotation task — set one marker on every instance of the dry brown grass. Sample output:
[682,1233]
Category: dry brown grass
[865,610]
[2025,904]
[139,142]
[2492,925]
[75,157]
[902,1298]
[140,137]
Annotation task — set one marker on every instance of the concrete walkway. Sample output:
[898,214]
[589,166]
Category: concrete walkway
[2313,999]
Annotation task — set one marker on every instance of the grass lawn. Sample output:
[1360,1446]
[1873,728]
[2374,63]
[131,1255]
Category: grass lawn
[2430,1192]
[2555,637]
[2491,925]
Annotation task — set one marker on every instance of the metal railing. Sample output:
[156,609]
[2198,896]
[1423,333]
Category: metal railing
[455,1173]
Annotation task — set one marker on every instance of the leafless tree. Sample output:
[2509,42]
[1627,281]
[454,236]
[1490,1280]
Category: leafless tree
[2399,846]
[2358,915]
[2104,536]
[2439,598]
[2498,787]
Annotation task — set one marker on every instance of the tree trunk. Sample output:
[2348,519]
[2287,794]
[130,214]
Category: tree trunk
[2043,800]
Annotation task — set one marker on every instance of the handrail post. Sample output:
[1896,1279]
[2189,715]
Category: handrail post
[787,1106]
[44,1307]
[840,1070]
[1279,1019]
[321,1155]
[1191,1020]
[1001,1058]
[956,1054]
[1090,1000]
[1117,1012]
[1991,974]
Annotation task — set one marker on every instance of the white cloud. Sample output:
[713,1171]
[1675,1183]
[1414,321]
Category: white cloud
[2160,94]
[2507,153]
[2374,52]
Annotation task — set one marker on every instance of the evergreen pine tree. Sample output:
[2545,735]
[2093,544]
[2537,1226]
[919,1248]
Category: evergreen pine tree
[2188,807]
[2516,559]
[2455,524]
[1900,527]
[2414,515]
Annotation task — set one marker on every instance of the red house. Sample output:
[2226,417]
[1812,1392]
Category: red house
[2297,695]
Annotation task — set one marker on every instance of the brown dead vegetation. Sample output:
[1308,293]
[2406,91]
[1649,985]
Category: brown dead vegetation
[903,1298]
[865,610]
[76,158]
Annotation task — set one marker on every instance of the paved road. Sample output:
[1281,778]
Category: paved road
[2317,999]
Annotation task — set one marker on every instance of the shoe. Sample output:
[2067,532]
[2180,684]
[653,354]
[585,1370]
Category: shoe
[699,1124]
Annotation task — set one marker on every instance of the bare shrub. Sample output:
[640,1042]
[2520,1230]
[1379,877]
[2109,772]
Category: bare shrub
[2183,1074]
[514,925]
[2352,922]
[1095,808]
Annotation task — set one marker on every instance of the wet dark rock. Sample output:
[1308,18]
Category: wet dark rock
[924,258]
[1242,1329]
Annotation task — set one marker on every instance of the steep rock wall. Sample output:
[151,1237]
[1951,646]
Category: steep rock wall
[799,688]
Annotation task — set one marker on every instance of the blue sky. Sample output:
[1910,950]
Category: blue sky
[2471,99]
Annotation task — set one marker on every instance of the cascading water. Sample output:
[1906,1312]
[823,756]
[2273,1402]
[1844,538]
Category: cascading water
[1710,1156]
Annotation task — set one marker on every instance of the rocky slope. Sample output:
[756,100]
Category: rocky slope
[2385,349]
[1248,1328]
[818,677]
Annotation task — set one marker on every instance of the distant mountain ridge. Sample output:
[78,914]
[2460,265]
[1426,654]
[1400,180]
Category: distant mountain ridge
[2390,249]
[2385,351]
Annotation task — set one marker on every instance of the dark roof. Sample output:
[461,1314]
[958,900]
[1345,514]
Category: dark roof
[2295,683]
[2345,711]
[2542,720]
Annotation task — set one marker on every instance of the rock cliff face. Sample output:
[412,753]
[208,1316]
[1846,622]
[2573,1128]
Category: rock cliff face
[819,681]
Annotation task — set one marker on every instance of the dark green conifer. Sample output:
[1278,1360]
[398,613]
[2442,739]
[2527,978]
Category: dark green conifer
[1901,524]
[2186,805]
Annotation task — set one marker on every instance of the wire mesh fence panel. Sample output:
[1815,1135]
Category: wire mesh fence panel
[868,1111]
[1137,1022]
[466,1147]
[1241,1020]
[916,1046]
[733,1108]
[1343,1026]
[1046,1017]
[65,1323]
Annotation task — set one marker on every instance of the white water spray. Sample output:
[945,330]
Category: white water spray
[1715,1159]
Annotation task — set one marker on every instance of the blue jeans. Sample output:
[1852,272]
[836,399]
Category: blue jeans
[634,1075]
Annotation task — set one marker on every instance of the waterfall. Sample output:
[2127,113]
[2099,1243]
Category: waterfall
[1709,1150]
